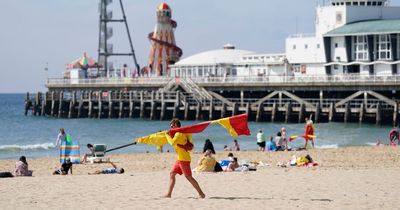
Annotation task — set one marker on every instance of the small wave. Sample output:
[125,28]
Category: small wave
[328,146]
[371,143]
[14,147]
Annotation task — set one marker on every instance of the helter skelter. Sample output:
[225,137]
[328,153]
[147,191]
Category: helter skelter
[163,51]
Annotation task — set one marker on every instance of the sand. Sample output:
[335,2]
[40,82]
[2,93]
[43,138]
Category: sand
[347,178]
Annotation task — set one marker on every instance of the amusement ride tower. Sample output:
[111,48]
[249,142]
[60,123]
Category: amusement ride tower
[163,50]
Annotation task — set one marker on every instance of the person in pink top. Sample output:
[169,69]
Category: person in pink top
[21,167]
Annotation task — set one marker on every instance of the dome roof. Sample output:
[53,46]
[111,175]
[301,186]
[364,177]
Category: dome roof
[163,6]
[228,55]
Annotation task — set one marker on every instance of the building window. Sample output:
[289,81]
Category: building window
[318,46]
[360,48]
[305,46]
[362,3]
[294,47]
[383,47]
[355,3]
[336,45]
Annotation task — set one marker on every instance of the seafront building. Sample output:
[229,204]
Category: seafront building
[347,71]
[351,37]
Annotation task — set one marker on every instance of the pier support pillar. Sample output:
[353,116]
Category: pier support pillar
[211,110]
[44,104]
[241,98]
[223,110]
[80,109]
[153,110]
[131,108]
[280,98]
[186,113]
[347,113]
[110,105]
[60,105]
[53,104]
[260,110]
[235,109]
[163,107]
[361,115]
[248,109]
[176,110]
[378,113]
[121,109]
[198,111]
[142,107]
[274,112]
[317,112]
[302,112]
[27,103]
[288,112]
[395,114]
[331,111]
[90,108]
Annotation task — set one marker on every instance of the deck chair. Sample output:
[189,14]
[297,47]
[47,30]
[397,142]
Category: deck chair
[98,154]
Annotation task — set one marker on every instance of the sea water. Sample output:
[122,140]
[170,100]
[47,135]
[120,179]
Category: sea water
[36,136]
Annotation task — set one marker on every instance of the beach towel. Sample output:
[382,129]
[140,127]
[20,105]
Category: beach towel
[70,149]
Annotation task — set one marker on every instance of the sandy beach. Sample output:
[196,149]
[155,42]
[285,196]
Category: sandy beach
[346,178]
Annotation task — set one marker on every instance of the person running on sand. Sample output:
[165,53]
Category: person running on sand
[182,164]
[308,133]
[113,170]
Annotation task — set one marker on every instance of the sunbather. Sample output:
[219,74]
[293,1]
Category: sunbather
[90,147]
[206,163]
[232,165]
[114,170]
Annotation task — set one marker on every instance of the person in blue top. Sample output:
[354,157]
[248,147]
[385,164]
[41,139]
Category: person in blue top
[270,145]
[113,170]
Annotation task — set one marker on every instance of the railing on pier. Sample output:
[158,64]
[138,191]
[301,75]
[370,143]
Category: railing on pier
[296,80]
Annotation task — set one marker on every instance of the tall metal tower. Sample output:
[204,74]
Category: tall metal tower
[105,49]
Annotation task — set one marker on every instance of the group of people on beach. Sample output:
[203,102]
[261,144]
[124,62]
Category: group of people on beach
[281,140]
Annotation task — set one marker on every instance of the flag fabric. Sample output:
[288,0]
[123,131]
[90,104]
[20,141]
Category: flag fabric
[70,149]
[235,125]
[157,139]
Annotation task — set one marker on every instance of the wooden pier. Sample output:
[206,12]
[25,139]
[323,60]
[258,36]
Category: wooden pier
[187,100]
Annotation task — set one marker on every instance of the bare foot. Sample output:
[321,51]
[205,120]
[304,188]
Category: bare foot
[202,196]
[167,196]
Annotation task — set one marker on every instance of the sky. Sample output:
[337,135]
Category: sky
[46,33]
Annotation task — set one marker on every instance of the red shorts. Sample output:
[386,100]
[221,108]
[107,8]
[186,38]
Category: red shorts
[182,167]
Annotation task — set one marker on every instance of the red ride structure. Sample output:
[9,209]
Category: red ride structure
[163,50]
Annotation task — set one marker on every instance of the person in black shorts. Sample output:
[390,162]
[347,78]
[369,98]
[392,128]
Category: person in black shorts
[65,167]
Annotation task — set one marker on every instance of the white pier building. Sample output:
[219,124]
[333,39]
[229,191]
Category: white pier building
[351,37]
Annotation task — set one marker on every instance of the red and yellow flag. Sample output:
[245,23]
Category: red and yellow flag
[235,125]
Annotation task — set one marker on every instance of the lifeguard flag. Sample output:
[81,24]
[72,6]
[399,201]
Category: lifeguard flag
[236,125]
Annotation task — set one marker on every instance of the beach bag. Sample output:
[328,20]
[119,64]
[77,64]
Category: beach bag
[188,146]
[217,167]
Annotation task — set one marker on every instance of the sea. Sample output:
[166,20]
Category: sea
[35,137]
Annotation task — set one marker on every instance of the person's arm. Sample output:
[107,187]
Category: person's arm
[173,141]
[58,140]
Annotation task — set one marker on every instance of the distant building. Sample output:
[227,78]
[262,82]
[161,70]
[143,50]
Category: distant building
[352,37]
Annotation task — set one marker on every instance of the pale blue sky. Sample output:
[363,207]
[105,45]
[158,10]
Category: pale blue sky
[40,31]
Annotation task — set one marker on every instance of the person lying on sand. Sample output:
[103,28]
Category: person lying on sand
[65,167]
[114,170]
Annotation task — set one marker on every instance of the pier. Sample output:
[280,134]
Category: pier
[327,99]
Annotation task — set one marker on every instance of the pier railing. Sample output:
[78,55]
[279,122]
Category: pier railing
[332,79]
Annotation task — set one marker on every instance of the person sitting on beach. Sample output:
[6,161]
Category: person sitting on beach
[271,146]
[261,140]
[21,167]
[232,165]
[394,136]
[90,147]
[236,146]
[113,170]
[208,145]
[65,167]
[206,163]
[226,148]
